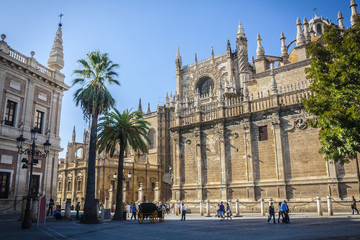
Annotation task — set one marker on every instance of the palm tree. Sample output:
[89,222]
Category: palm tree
[94,99]
[124,129]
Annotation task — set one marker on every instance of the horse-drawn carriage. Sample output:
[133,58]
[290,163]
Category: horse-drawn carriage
[150,211]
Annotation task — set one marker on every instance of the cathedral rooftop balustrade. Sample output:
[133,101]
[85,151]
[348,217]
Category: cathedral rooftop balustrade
[287,95]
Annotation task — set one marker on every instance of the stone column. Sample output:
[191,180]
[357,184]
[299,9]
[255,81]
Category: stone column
[140,192]
[176,165]
[222,156]
[329,203]
[124,193]
[34,209]
[111,198]
[107,203]
[318,203]
[208,208]
[68,209]
[237,209]
[262,207]
[156,193]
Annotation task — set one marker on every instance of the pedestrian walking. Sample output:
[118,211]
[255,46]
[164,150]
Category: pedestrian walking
[77,208]
[172,208]
[286,211]
[353,206]
[280,211]
[133,209]
[271,213]
[222,211]
[50,209]
[183,212]
[228,212]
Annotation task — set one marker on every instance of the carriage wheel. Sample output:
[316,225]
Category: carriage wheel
[155,216]
[140,217]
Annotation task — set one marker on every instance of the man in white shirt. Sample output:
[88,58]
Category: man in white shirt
[128,210]
[183,212]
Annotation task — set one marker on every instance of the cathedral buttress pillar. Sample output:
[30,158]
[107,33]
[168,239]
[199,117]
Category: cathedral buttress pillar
[333,189]
[279,158]
[199,180]
[249,161]
[73,187]
[223,173]
[176,165]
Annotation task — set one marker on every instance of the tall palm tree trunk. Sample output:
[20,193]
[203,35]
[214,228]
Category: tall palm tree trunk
[119,196]
[90,211]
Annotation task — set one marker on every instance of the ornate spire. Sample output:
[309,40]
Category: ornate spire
[140,107]
[195,59]
[178,59]
[74,135]
[340,20]
[148,111]
[56,59]
[240,32]
[353,12]
[228,46]
[306,31]
[212,52]
[260,49]
[300,39]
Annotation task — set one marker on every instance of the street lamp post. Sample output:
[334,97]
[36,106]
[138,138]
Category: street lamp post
[32,151]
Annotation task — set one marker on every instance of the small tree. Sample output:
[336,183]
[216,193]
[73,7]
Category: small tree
[122,129]
[94,99]
[335,74]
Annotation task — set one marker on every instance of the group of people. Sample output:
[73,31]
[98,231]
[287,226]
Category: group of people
[283,211]
[223,213]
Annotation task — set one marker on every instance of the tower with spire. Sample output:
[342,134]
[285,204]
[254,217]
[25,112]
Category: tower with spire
[242,55]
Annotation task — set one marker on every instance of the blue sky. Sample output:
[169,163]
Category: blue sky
[142,37]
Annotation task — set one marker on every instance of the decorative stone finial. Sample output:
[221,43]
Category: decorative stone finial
[195,58]
[212,52]
[284,49]
[300,39]
[340,20]
[178,59]
[306,31]
[228,46]
[56,59]
[260,49]
[353,12]
[240,32]
[273,83]
[178,52]
[32,54]
[3,37]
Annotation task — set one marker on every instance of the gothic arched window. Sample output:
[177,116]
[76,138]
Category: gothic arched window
[204,84]
[152,137]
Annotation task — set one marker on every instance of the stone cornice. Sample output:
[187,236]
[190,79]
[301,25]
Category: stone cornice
[32,72]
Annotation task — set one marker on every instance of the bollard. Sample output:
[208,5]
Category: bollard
[208,208]
[102,215]
[97,207]
[237,207]
[201,207]
[262,207]
[177,208]
[329,203]
[318,201]
[68,209]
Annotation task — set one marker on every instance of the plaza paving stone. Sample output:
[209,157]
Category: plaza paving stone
[249,226]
